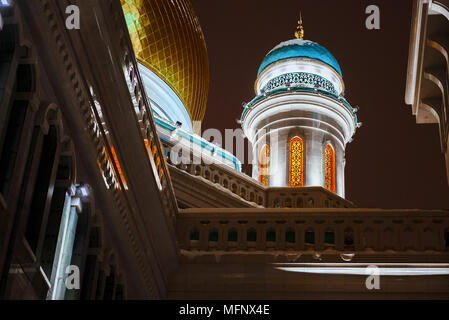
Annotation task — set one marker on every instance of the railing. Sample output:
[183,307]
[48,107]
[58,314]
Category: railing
[307,197]
[142,109]
[236,182]
[348,230]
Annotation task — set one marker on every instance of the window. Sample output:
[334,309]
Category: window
[329,237]
[264,162]
[195,235]
[329,168]
[296,163]
[271,235]
[309,237]
[232,235]
[251,236]
[290,236]
[213,236]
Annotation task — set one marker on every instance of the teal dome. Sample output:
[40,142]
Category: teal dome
[300,49]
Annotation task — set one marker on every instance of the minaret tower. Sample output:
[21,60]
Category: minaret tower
[299,122]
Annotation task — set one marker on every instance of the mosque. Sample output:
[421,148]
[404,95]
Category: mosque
[105,172]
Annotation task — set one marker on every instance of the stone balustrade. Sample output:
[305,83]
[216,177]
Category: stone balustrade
[236,182]
[307,197]
[337,230]
[252,191]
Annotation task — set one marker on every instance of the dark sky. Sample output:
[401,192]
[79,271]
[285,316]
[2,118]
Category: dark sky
[392,162]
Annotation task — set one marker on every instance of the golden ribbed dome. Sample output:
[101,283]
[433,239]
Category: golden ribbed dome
[168,39]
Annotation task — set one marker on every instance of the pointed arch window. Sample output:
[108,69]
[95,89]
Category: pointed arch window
[296,163]
[264,165]
[329,168]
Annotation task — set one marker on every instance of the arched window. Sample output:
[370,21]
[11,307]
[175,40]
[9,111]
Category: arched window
[233,235]
[251,235]
[296,163]
[309,236]
[329,168]
[213,235]
[195,235]
[329,237]
[264,162]
[271,235]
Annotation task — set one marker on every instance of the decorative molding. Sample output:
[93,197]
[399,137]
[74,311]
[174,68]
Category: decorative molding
[300,79]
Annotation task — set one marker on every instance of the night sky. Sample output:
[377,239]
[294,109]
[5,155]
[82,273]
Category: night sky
[392,162]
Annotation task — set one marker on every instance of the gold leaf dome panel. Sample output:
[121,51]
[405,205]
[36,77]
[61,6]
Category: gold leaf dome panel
[167,39]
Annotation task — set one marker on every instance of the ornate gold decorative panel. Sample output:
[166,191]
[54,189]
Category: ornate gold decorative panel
[264,165]
[296,163]
[329,168]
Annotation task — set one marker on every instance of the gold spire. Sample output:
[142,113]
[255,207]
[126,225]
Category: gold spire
[299,33]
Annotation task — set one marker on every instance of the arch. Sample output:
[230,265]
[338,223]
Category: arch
[264,165]
[439,8]
[296,163]
[436,81]
[243,193]
[427,113]
[329,168]
[252,197]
